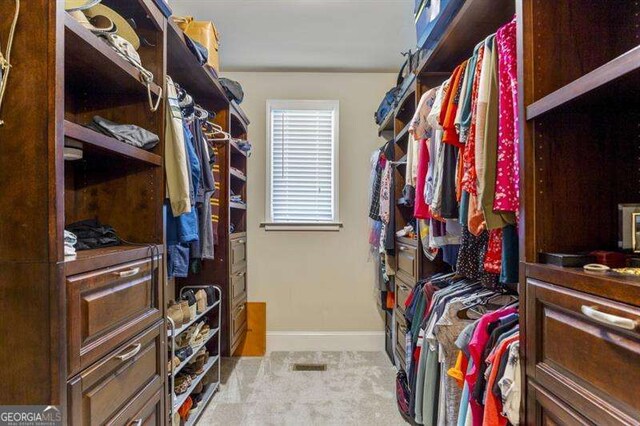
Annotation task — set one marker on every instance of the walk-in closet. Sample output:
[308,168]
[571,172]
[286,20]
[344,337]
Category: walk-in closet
[284,212]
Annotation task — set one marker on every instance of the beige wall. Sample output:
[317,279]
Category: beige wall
[316,281]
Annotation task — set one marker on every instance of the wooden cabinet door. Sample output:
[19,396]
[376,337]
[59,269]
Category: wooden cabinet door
[585,350]
[109,306]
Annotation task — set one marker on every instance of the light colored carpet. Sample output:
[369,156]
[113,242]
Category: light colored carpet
[358,388]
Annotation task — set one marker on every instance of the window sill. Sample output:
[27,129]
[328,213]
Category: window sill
[330,227]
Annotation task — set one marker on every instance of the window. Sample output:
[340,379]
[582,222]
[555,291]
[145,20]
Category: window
[302,171]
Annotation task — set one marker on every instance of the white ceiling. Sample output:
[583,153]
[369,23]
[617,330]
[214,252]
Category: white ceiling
[308,35]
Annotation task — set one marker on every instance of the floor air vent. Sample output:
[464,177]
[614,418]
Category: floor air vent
[309,367]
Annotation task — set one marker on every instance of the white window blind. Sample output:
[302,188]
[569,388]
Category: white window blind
[303,144]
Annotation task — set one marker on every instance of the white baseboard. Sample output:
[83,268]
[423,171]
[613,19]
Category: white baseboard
[325,341]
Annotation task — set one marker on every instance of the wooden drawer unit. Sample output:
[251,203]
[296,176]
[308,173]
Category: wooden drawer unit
[118,387]
[238,287]
[238,254]
[401,332]
[403,290]
[586,350]
[407,262]
[109,306]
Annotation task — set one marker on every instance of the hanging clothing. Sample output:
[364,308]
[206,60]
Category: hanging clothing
[507,192]
[175,155]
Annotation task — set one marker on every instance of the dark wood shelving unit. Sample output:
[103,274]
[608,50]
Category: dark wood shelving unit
[101,144]
[94,67]
[593,83]
[580,114]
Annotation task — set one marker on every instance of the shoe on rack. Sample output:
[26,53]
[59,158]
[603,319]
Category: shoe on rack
[182,383]
[175,313]
[201,301]
[190,297]
[186,312]
[184,353]
[211,295]
[173,364]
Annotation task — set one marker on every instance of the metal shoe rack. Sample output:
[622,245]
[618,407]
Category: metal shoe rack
[214,359]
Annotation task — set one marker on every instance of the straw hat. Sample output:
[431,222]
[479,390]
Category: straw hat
[123,28]
[72,5]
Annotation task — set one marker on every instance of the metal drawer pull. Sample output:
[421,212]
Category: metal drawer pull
[241,274]
[128,273]
[241,241]
[403,248]
[133,352]
[614,320]
[136,423]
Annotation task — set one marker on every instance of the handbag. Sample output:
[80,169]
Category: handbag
[233,89]
[205,33]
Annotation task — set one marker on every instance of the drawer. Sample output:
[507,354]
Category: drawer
[403,291]
[238,321]
[118,386]
[576,350]
[238,286]
[238,254]
[545,409]
[143,413]
[109,306]
[407,262]
[401,332]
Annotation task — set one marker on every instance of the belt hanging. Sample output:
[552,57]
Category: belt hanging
[5,64]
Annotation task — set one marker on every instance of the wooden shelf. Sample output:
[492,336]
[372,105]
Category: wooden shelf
[184,69]
[237,175]
[589,83]
[409,96]
[614,286]
[92,67]
[237,206]
[403,134]
[237,149]
[90,260]
[94,141]
[387,123]
[239,113]
[475,20]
